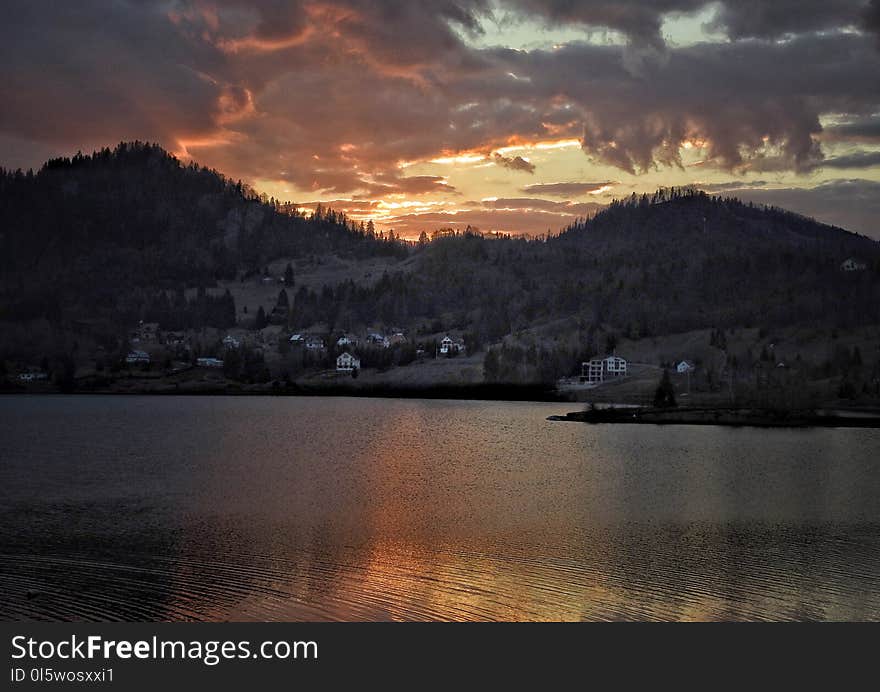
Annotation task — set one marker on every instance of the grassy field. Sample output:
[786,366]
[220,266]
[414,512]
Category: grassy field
[313,273]
[423,373]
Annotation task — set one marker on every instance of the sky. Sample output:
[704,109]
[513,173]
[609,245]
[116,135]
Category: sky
[514,116]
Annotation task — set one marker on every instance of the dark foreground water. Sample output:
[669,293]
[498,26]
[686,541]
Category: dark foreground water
[330,508]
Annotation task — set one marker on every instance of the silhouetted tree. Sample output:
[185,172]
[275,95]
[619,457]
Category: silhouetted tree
[664,396]
[260,320]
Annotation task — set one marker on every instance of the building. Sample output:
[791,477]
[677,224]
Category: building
[397,339]
[377,339]
[346,362]
[231,342]
[346,340]
[450,345]
[615,366]
[592,371]
[851,264]
[314,343]
[146,331]
[209,362]
[297,338]
[684,366]
[137,357]
[600,369]
[32,376]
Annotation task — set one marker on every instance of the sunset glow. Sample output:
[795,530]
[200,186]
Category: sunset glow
[403,115]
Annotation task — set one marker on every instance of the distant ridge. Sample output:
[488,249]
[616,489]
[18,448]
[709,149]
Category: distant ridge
[109,237]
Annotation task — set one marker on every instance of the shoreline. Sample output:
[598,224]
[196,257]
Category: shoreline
[621,414]
[464,392]
[727,417]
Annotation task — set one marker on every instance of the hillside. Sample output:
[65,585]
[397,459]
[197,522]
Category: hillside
[95,245]
[89,236]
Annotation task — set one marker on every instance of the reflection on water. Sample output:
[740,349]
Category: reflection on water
[311,508]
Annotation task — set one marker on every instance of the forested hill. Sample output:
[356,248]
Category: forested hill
[111,236]
[652,265]
[720,224]
[88,229]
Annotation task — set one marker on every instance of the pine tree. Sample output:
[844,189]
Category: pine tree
[664,397]
[288,275]
[260,320]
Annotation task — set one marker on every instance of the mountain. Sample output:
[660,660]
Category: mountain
[83,237]
[680,260]
[91,246]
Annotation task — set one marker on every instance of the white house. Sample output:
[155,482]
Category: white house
[346,362]
[346,340]
[851,264]
[137,357]
[615,366]
[592,370]
[231,342]
[683,367]
[450,345]
[297,338]
[601,369]
[209,362]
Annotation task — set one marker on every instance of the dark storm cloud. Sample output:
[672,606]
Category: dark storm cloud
[74,72]
[335,95]
[775,18]
[642,20]
[639,19]
[871,18]
[865,129]
[755,104]
[858,159]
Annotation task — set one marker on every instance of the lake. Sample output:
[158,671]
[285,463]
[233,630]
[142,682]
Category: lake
[314,508]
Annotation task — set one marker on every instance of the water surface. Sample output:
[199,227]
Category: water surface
[261,508]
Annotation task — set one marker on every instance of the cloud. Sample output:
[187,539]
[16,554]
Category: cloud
[853,204]
[514,163]
[565,189]
[505,220]
[731,185]
[93,72]
[871,18]
[865,129]
[858,159]
[411,185]
[771,19]
[331,97]
[642,20]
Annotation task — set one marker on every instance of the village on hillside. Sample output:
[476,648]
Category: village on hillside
[261,351]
